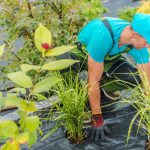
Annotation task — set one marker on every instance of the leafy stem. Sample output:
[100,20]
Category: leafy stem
[30,10]
[56,9]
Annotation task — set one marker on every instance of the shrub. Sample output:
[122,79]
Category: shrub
[27,89]
[128,13]
[144,8]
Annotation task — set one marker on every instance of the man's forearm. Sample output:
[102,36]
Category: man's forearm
[144,71]
[95,72]
[94,97]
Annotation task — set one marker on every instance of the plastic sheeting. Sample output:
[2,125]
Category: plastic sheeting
[118,122]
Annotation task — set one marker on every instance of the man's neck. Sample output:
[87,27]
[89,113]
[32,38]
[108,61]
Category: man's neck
[125,37]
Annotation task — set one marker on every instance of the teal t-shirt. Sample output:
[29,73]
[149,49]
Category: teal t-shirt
[97,39]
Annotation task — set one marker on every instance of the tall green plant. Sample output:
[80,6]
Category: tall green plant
[140,100]
[70,112]
[30,87]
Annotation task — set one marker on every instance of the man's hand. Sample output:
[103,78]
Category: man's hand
[97,128]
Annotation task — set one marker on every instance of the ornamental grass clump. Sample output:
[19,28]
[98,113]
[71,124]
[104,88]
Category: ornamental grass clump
[140,100]
[71,111]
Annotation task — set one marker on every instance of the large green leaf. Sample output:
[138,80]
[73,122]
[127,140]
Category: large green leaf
[31,123]
[20,78]
[23,115]
[22,138]
[27,67]
[59,64]
[59,50]
[2,101]
[40,97]
[42,35]
[32,138]
[2,49]
[8,128]
[28,106]
[45,85]
[12,100]
[11,145]
[17,90]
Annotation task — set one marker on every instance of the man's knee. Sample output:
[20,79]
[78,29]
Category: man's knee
[126,72]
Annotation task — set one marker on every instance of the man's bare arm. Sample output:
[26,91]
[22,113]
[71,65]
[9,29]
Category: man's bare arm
[144,70]
[95,71]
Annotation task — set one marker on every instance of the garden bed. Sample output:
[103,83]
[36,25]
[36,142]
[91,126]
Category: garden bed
[118,123]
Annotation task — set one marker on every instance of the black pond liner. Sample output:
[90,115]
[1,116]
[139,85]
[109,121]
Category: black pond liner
[117,121]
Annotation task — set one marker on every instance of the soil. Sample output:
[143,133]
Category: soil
[73,141]
[147,145]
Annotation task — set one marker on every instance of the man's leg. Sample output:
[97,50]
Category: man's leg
[119,73]
[120,76]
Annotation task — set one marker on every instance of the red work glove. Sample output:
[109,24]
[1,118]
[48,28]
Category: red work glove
[97,129]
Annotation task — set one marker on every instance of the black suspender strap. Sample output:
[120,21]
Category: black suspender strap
[130,46]
[106,23]
[79,46]
[108,26]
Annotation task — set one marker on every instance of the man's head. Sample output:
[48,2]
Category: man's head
[137,40]
[140,26]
